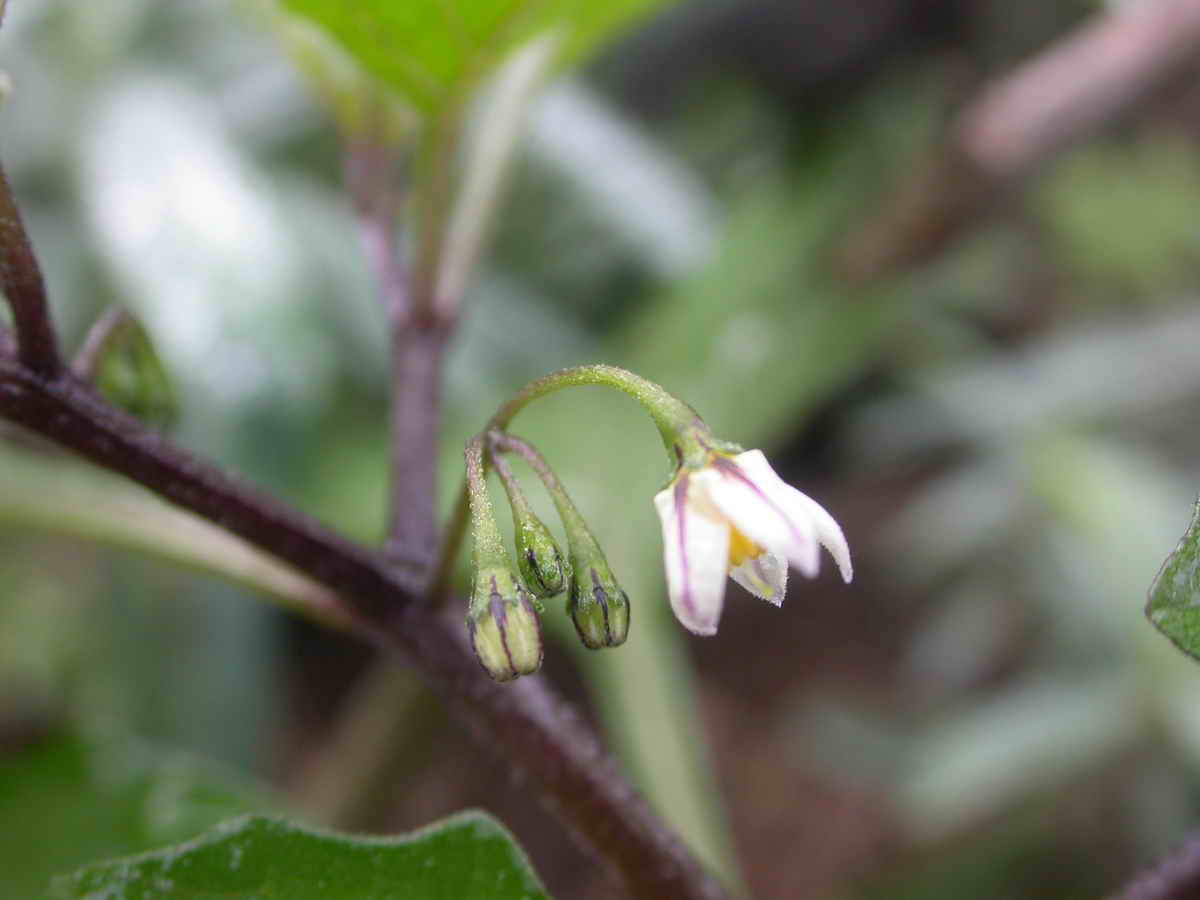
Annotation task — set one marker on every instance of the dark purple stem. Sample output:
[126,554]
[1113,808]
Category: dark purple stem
[21,282]
[1176,878]
[418,347]
[66,411]
[419,340]
[534,730]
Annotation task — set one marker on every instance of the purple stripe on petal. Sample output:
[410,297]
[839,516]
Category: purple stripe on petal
[729,467]
[496,605]
[601,597]
[680,505]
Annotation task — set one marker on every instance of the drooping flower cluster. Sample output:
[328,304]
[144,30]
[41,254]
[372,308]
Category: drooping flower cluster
[724,513]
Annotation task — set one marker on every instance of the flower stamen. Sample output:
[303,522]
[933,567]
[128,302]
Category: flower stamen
[741,548]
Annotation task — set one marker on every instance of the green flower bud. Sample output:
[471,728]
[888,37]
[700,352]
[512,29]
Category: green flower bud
[505,631]
[542,565]
[598,606]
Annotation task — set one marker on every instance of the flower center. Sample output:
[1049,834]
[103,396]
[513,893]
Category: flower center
[741,548]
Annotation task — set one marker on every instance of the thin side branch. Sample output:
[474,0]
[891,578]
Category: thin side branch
[418,348]
[1094,76]
[22,285]
[419,340]
[1176,878]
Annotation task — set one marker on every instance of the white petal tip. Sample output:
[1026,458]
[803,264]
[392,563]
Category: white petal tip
[700,630]
[809,569]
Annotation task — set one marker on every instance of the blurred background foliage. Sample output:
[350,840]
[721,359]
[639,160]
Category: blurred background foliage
[1006,433]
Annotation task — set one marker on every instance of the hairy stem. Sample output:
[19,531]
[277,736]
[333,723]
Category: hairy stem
[672,416]
[503,442]
[418,348]
[419,338]
[487,546]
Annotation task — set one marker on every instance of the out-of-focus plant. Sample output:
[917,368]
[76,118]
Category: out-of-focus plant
[429,101]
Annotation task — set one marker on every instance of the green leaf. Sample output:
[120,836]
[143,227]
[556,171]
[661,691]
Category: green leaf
[466,857]
[1174,602]
[130,374]
[71,800]
[1123,214]
[60,495]
[430,49]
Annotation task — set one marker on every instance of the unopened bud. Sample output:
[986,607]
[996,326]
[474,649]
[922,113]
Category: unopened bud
[541,562]
[598,606]
[506,633]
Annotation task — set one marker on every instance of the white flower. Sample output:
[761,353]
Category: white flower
[735,516]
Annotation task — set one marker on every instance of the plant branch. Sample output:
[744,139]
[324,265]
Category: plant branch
[538,733]
[21,282]
[1176,878]
[418,348]
[1095,75]
[68,413]
[671,416]
[418,345]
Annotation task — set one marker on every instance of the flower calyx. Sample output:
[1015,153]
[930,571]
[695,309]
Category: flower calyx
[598,605]
[505,631]
[539,559]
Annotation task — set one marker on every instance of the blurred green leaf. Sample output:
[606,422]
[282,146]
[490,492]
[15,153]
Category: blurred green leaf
[130,374]
[62,496]
[1126,215]
[429,49]
[1174,603]
[466,857]
[358,100]
[70,800]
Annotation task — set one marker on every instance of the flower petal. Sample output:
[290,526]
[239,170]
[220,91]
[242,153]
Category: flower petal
[799,506]
[764,576]
[696,552]
[829,532]
[755,505]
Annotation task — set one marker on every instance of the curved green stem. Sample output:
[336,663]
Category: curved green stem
[488,548]
[672,416]
[512,488]
[684,435]
[573,522]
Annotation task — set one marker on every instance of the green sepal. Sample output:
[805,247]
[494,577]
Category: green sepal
[598,605]
[130,374]
[543,567]
[503,623]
